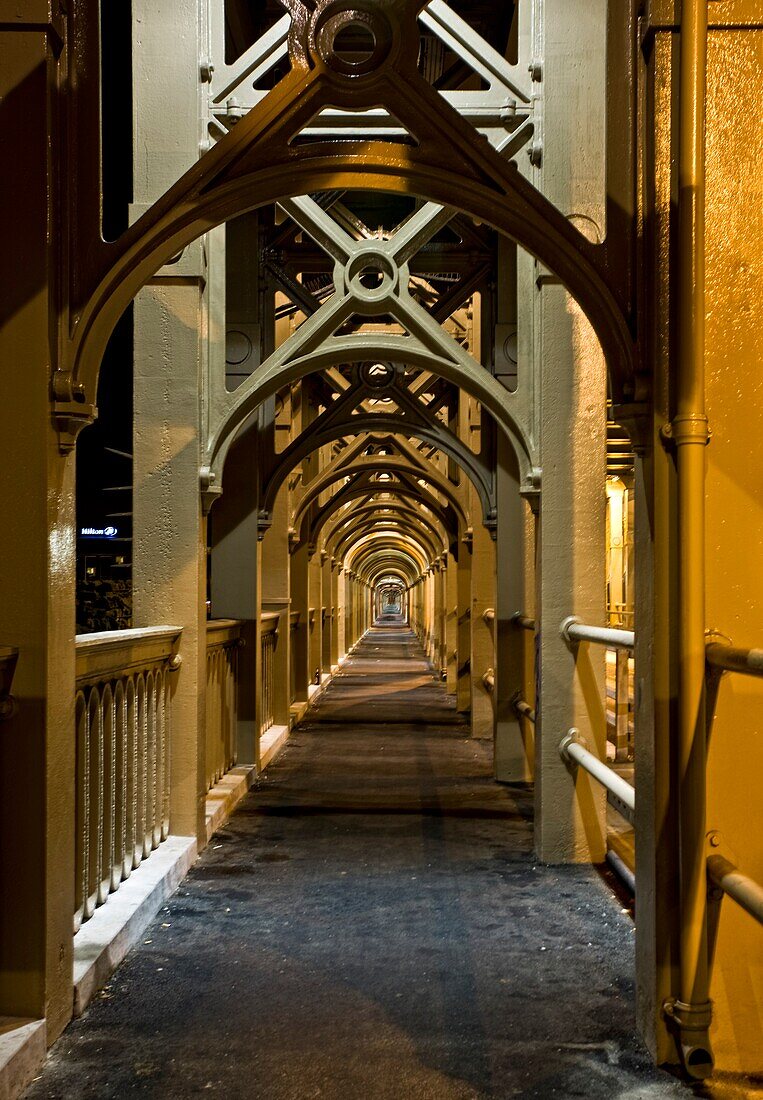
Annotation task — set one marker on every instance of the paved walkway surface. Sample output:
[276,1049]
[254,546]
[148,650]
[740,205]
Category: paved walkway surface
[371,925]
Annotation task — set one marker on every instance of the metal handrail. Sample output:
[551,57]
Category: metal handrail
[523,621]
[571,749]
[523,708]
[745,891]
[572,630]
[729,658]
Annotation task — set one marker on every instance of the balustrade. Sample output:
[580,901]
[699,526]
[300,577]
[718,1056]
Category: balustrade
[122,729]
[223,643]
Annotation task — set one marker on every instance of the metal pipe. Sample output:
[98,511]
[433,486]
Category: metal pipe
[523,708]
[691,1011]
[730,659]
[623,870]
[571,748]
[572,630]
[523,621]
[744,890]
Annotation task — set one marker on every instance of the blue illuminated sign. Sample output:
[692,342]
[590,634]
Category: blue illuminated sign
[98,532]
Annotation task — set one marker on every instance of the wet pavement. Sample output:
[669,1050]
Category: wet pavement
[371,924]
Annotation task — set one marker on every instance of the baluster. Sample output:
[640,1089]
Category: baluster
[131,777]
[158,794]
[120,784]
[150,809]
[95,807]
[141,769]
[83,807]
[107,794]
[167,758]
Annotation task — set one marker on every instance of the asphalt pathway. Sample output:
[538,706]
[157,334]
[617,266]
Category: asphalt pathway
[371,925]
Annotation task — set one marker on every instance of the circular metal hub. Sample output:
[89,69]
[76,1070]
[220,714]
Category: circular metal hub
[371,275]
[352,41]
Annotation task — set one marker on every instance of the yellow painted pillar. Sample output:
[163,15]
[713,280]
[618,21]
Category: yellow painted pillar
[37,565]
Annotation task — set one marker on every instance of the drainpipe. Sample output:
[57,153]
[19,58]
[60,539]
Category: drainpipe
[691,1010]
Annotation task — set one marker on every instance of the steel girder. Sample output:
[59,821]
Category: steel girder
[502,111]
[258,162]
[386,260]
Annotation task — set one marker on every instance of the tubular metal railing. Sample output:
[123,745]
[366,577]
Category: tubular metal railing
[523,709]
[729,658]
[122,756]
[745,891]
[571,749]
[572,630]
[524,622]
[223,643]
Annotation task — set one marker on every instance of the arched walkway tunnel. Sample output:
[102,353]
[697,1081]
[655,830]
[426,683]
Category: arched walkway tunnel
[363,433]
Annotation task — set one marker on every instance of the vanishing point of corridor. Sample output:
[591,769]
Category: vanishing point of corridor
[371,923]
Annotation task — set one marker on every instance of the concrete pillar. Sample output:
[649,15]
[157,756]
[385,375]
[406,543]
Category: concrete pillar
[37,565]
[464,589]
[276,597]
[482,644]
[569,808]
[514,736]
[300,603]
[451,623]
[169,530]
[316,624]
[341,611]
[440,611]
[336,618]
[327,626]
[236,583]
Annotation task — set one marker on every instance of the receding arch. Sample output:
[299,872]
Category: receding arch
[383,464]
[387,425]
[312,527]
[373,513]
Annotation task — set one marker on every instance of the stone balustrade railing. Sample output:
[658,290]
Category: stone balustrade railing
[122,756]
[224,640]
